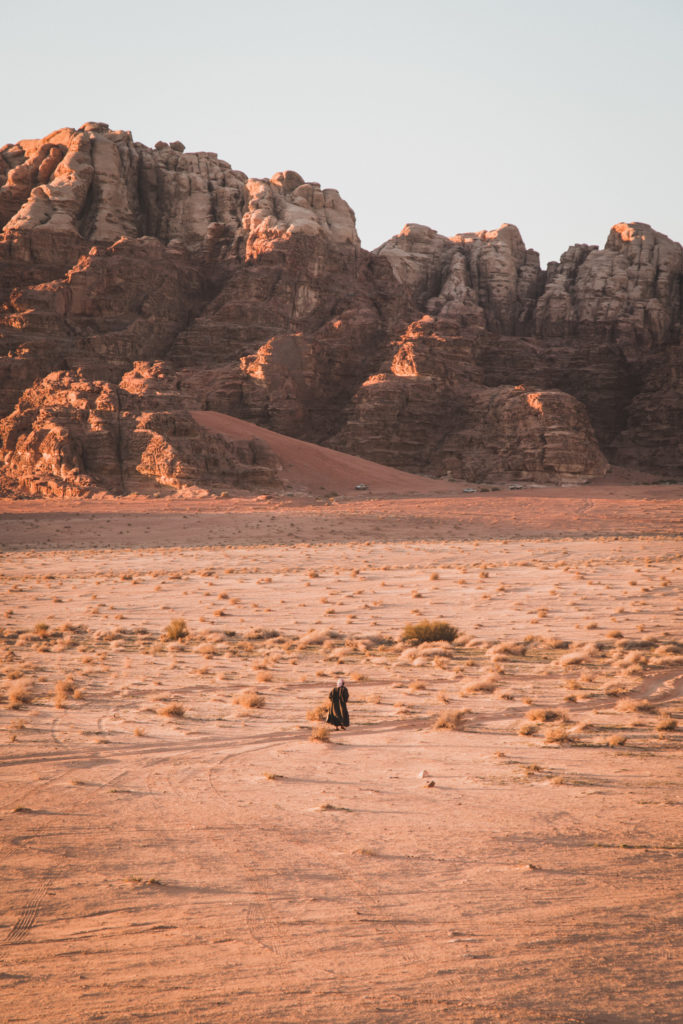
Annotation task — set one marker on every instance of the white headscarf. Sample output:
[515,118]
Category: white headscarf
[340,683]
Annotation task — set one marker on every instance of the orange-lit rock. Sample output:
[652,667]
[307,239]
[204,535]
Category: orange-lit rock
[260,301]
[69,437]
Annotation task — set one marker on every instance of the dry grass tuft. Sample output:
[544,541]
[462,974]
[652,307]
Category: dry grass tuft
[176,630]
[451,720]
[173,710]
[617,739]
[630,705]
[249,699]
[315,637]
[527,729]
[20,693]
[428,631]
[544,715]
[486,685]
[579,656]
[557,734]
[63,689]
[666,723]
[616,689]
[498,652]
[318,714]
[320,734]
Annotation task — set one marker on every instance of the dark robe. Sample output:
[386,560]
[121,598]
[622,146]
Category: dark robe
[338,714]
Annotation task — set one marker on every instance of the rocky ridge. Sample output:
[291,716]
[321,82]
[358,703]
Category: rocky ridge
[139,283]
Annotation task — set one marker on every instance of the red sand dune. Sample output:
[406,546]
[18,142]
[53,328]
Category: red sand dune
[313,468]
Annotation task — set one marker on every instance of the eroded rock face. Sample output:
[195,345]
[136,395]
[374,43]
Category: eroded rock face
[72,437]
[137,283]
[603,325]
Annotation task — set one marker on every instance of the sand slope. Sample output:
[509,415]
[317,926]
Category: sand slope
[310,467]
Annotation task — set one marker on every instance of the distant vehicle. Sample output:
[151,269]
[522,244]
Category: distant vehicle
[516,487]
[469,490]
[361,487]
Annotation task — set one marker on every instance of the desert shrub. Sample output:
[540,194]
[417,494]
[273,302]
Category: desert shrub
[544,715]
[320,734]
[318,714]
[486,685]
[666,723]
[173,710]
[617,739]
[630,705]
[554,643]
[176,630]
[527,729]
[584,653]
[615,689]
[317,636]
[63,689]
[450,720]
[257,633]
[20,693]
[556,734]
[249,699]
[512,650]
[428,631]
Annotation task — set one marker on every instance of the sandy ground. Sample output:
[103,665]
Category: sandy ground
[216,864]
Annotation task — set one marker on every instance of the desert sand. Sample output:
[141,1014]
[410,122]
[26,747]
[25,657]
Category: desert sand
[497,837]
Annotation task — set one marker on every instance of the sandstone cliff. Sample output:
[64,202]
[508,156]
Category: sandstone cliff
[137,283]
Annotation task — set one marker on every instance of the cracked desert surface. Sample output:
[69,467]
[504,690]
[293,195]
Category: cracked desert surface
[497,837]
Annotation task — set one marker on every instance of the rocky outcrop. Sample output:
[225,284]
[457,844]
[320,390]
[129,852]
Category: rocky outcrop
[603,325]
[137,283]
[444,422]
[69,437]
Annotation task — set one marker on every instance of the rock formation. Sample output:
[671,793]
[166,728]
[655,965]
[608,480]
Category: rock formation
[70,436]
[137,283]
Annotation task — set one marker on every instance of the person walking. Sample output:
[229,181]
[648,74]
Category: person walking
[338,715]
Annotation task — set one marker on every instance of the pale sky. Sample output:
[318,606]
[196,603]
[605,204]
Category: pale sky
[561,118]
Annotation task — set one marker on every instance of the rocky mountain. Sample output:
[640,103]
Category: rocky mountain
[137,284]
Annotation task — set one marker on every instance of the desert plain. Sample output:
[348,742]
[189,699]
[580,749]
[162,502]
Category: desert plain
[497,836]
